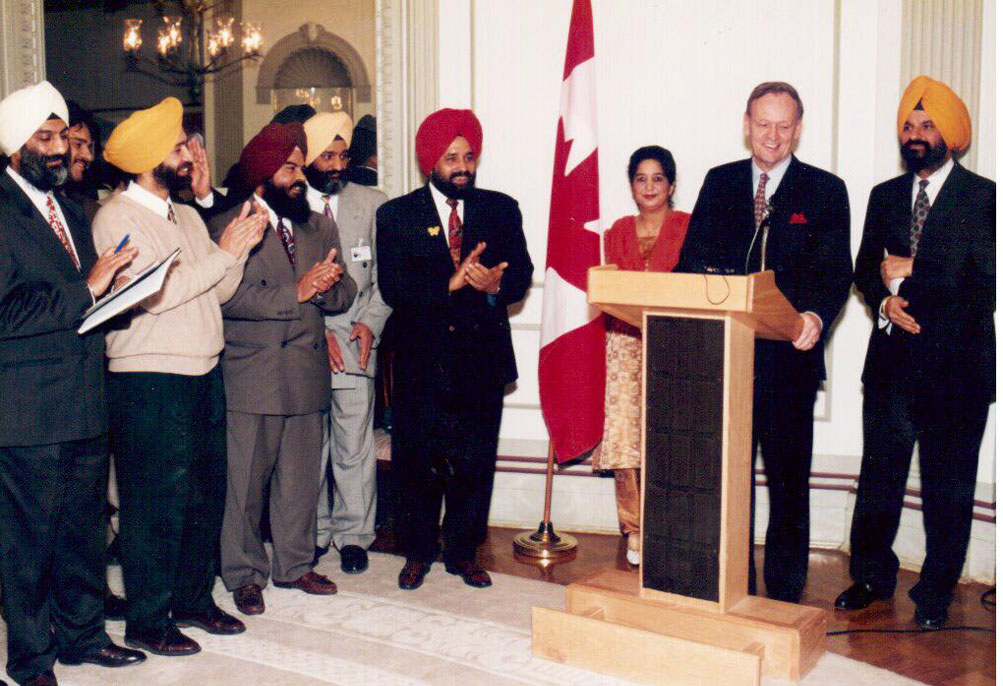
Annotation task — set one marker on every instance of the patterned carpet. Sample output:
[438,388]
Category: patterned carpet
[373,634]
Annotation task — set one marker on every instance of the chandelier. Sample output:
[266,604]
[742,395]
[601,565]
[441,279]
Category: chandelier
[191,45]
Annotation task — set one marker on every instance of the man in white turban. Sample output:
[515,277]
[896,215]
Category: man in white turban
[53,425]
[346,512]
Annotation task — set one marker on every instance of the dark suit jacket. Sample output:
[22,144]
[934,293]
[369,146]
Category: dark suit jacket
[275,360]
[951,293]
[450,341]
[808,249]
[52,378]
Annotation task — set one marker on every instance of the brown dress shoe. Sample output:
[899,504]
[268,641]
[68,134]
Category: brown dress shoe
[312,583]
[43,679]
[168,642]
[249,600]
[213,621]
[413,575]
[471,574]
[110,655]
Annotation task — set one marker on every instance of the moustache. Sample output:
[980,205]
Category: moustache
[910,146]
[460,175]
[62,159]
[297,185]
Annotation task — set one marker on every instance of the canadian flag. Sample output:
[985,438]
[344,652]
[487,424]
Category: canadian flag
[572,340]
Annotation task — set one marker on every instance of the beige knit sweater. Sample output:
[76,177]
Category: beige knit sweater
[180,329]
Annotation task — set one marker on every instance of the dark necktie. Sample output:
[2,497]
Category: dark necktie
[288,242]
[920,211]
[455,231]
[60,230]
[170,213]
[760,201]
[327,206]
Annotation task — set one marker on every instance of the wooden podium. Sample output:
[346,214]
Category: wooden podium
[690,620]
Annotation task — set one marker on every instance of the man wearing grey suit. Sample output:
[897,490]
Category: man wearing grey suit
[346,514]
[276,374]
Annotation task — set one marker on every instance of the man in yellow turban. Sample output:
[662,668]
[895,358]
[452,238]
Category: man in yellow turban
[347,519]
[927,269]
[165,385]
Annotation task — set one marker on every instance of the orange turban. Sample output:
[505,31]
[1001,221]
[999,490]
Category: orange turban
[146,138]
[945,108]
[439,130]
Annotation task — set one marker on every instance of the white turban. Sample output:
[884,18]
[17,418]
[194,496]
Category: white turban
[23,112]
[322,128]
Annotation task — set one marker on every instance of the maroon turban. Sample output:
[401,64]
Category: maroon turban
[439,130]
[268,151]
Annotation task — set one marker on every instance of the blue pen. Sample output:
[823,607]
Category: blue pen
[122,244]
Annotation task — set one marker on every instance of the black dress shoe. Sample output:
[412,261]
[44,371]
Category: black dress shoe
[43,679]
[249,600]
[354,559]
[168,642]
[213,621]
[930,618]
[110,655]
[318,553]
[471,574]
[412,575]
[858,596]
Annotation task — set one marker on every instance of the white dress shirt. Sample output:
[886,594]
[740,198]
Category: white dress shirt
[776,175]
[154,203]
[316,200]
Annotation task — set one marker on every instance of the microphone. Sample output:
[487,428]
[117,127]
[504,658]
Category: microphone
[765,225]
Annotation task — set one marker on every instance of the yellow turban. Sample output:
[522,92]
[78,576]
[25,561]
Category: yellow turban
[322,128]
[945,108]
[146,138]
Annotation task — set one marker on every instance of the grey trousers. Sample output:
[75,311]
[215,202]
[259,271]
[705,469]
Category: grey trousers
[349,517]
[285,451]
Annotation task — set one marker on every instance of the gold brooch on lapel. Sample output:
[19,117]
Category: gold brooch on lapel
[433,230]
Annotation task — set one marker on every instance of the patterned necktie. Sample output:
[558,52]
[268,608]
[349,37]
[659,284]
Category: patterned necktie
[60,230]
[760,201]
[288,242]
[920,211]
[327,206]
[455,231]
[173,218]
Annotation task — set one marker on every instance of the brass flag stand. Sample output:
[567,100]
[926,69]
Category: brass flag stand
[544,544]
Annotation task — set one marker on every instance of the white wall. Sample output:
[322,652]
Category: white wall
[677,73]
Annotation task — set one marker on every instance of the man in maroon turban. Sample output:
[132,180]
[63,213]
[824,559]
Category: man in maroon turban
[275,373]
[452,259]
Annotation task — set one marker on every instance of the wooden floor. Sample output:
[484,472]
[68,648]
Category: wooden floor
[950,658]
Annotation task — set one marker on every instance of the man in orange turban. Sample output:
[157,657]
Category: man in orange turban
[929,375]
[452,259]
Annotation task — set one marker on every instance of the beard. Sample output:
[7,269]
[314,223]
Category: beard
[36,170]
[449,188]
[294,207]
[927,158]
[328,183]
[174,179]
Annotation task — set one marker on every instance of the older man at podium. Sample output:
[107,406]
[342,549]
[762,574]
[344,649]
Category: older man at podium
[776,212]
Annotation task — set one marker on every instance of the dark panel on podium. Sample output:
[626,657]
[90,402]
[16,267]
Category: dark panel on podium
[682,508]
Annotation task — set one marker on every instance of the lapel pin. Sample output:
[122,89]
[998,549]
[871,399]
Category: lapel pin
[433,230]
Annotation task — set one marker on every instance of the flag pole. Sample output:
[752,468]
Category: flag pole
[544,544]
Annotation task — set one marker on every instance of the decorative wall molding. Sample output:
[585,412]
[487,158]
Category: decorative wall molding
[943,39]
[224,110]
[22,44]
[312,35]
[406,86]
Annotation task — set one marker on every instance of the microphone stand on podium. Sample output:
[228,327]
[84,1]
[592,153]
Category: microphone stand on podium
[544,545]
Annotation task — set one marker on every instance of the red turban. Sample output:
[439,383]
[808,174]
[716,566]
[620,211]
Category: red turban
[268,151]
[439,130]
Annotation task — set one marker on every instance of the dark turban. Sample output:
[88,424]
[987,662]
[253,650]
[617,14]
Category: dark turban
[268,151]
[294,113]
[439,130]
[363,141]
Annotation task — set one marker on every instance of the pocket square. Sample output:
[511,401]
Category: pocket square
[798,218]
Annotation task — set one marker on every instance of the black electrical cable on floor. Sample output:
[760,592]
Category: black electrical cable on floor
[911,631]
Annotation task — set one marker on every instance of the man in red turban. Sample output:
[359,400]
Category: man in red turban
[275,374]
[452,259]
[927,269]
